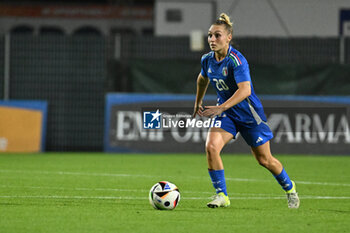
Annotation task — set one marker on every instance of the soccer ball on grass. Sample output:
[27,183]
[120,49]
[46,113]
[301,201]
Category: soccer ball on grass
[164,196]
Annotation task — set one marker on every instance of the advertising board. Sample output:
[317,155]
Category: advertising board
[164,123]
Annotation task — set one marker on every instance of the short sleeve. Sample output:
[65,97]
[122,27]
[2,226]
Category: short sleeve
[241,69]
[204,65]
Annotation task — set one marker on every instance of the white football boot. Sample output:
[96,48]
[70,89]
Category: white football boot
[219,200]
[293,198]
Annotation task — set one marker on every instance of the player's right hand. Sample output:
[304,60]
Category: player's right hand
[198,110]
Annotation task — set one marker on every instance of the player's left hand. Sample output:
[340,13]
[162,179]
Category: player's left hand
[212,111]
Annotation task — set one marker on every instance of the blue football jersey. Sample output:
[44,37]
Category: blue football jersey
[224,76]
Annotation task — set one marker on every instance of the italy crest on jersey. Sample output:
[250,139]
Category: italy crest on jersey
[224,71]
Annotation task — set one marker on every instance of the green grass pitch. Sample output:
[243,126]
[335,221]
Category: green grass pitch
[96,192]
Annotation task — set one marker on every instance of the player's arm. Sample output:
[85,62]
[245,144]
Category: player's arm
[243,92]
[202,85]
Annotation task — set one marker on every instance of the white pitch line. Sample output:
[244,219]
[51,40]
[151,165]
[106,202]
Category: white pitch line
[271,197]
[74,189]
[73,173]
[239,196]
[118,190]
[321,183]
[145,198]
[296,181]
[152,176]
[74,197]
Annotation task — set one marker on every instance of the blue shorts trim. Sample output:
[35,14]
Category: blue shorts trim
[254,135]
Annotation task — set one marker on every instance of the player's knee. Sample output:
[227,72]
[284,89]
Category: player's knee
[211,149]
[264,161]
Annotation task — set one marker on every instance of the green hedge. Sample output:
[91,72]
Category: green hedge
[179,76]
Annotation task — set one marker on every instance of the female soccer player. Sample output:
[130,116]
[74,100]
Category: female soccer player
[238,109]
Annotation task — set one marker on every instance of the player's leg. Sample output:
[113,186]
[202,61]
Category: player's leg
[259,139]
[216,140]
[263,155]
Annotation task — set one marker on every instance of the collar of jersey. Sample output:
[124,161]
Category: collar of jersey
[228,54]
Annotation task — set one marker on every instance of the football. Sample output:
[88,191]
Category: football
[164,196]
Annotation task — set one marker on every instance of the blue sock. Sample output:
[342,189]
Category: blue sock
[218,180]
[284,180]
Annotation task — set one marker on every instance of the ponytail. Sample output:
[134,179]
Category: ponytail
[224,19]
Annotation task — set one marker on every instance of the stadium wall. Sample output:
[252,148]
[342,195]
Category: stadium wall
[263,18]
[70,18]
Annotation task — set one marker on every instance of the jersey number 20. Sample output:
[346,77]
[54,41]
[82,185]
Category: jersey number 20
[220,84]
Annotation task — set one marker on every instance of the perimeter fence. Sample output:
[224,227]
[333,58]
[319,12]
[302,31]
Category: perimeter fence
[73,73]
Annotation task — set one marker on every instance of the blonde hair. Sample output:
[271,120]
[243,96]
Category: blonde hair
[224,19]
